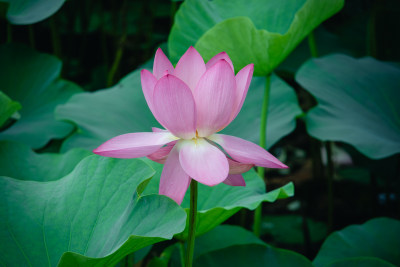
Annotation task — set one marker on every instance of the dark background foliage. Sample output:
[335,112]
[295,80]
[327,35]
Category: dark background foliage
[91,36]
[100,42]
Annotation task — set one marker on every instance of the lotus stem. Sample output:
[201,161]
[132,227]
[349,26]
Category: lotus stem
[328,147]
[31,36]
[55,37]
[371,32]
[182,252]
[174,8]
[9,32]
[257,220]
[330,172]
[312,44]
[263,142]
[117,60]
[315,144]
[129,260]
[264,116]
[120,48]
[192,223]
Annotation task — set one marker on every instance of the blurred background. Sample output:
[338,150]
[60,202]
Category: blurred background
[99,42]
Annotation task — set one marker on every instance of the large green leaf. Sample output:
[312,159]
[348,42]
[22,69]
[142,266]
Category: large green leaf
[7,108]
[263,32]
[216,204]
[234,246]
[107,113]
[90,217]
[32,79]
[360,262]
[24,12]
[282,112]
[252,255]
[216,247]
[327,43]
[377,238]
[288,229]
[224,236]
[20,162]
[357,102]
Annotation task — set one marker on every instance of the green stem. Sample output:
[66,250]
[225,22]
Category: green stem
[117,60]
[192,223]
[315,147]
[315,144]
[257,220]
[264,115]
[31,36]
[55,37]
[103,37]
[263,143]
[330,172]
[306,234]
[371,32]
[120,49]
[182,253]
[174,8]
[129,260]
[328,148]
[242,217]
[312,44]
[9,32]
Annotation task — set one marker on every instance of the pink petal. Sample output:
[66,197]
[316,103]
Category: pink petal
[174,181]
[161,64]
[235,180]
[215,96]
[133,145]
[161,155]
[155,129]
[217,57]
[243,79]
[175,107]
[237,167]
[247,152]
[190,68]
[203,162]
[148,83]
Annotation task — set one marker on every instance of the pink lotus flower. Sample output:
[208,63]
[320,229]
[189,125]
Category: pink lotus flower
[193,102]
